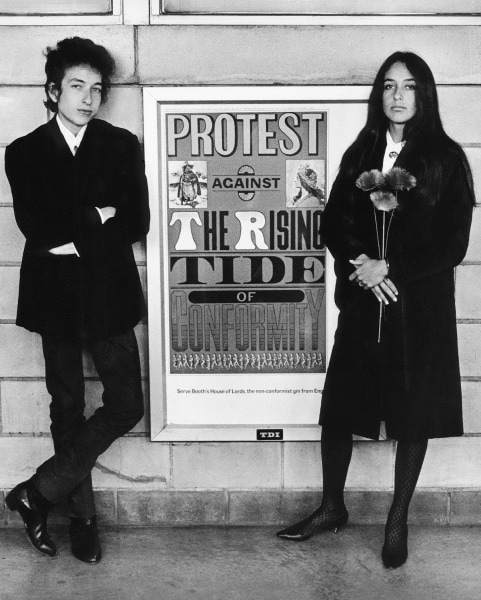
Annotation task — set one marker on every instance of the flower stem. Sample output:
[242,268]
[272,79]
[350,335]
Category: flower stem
[377,231]
[379,325]
[383,256]
[383,234]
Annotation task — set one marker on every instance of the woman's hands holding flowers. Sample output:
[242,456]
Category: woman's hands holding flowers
[383,190]
[371,274]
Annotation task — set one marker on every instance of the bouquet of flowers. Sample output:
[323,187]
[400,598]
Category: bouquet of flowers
[383,190]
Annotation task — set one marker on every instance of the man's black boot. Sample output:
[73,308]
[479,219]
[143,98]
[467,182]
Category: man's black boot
[85,541]
[33,508]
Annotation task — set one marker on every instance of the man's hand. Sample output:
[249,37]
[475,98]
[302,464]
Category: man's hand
[107,212]
[64,250]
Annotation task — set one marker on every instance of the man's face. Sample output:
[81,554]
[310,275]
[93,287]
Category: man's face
[79,98]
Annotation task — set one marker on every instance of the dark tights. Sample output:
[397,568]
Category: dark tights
[336,452]
[336,448]
[409,460]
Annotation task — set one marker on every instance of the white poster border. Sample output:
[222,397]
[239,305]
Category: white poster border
[174,421]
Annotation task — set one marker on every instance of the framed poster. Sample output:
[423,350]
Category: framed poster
[240,286]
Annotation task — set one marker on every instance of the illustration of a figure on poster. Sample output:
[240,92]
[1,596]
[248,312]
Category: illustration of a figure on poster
[187,184]
[245,195]
[305,184]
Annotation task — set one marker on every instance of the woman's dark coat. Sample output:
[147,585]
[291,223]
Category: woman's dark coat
[411,378]
[98,293]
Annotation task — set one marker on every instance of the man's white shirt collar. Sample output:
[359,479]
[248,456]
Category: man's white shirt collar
[73,141]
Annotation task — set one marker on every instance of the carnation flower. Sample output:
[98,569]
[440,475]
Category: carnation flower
[399,179]
[370,180]
[385,201]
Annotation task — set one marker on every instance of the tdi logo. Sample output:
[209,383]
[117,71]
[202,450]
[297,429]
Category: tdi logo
[270,435]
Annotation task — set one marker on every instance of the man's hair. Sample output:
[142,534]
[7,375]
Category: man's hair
[72,52]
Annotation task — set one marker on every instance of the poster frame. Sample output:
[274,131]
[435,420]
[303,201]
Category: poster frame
[346,109]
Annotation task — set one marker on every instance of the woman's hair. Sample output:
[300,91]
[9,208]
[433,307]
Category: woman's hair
[425,129]
[72,52]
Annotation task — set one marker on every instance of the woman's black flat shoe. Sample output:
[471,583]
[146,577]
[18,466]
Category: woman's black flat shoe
[305,529]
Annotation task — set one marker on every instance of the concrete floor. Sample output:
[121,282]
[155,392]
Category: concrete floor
[245,564]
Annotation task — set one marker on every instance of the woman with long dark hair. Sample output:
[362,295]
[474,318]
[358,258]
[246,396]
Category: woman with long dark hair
[397,223]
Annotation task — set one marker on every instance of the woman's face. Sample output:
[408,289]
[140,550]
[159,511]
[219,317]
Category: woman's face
[399,95]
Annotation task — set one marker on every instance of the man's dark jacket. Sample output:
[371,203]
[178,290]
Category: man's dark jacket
[97,294]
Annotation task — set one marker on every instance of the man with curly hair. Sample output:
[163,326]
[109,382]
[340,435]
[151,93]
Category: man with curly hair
[80,199]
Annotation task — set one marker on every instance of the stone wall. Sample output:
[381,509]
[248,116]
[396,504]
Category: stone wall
[140,482]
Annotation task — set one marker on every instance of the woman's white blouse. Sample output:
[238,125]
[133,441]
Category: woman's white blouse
[393,150]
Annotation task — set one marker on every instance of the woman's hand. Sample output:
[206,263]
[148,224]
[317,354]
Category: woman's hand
[372,274]
[369,272]
[384,290]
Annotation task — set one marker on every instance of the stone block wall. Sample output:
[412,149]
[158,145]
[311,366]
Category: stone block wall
[140,482]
